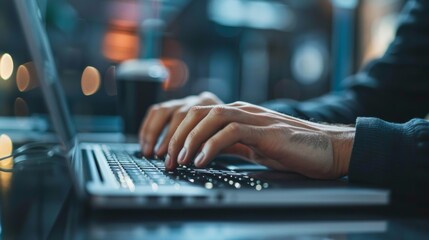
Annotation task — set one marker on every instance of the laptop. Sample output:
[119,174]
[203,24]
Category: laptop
[115,175]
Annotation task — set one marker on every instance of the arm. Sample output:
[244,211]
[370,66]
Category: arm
[392,88]
[374,152]
[392,155]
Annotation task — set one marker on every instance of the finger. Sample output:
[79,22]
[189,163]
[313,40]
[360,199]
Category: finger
[177,118]
[161,138]
[194,116]
[218,117]
[152,127]
[233,133]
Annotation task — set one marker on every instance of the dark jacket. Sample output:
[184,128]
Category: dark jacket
[394,88]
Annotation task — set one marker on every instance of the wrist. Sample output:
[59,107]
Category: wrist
[342,151]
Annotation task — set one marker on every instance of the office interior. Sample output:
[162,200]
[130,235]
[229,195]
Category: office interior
[250,51]
[241,50]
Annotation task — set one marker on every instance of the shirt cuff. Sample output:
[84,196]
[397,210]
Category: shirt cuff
[381,152]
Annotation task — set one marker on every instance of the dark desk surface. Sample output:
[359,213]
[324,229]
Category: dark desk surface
[38,203]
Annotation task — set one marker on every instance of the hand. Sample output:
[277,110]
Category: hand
[262,136]
[169,113]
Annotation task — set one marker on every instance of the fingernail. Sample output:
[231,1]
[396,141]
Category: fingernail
[182,155]
[167,161]
[199,158]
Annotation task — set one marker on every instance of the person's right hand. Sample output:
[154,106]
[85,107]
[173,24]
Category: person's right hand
[168,114]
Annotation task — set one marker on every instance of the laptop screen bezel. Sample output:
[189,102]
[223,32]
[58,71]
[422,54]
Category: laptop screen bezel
[38,43]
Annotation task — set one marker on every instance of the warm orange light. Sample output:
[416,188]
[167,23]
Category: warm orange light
[120,45]
[6,66]
[22,78]
[90,81]
[177,73]
[6,148]
[21,107]
[110,81]
[124,23]
[26,78]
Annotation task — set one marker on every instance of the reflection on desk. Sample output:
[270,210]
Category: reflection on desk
[236,230]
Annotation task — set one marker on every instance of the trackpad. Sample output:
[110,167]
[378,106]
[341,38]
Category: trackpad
[237,164]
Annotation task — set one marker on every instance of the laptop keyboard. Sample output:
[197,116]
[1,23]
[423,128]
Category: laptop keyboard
[139,171]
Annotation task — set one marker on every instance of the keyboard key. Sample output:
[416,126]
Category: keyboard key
[141,171]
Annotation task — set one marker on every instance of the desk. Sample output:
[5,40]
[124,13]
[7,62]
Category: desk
[38,203]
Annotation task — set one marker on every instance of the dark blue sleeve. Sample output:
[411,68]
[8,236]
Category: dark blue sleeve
[391,155]
[394,88]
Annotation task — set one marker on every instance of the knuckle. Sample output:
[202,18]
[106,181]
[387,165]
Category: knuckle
[211,142]
[161,108]
[180,114]
[195,110]
[219,110]
[154,108]
[234,128]
[172,145]
[238,103]
[207,95]
[192,134]
[173,141]
[171,148]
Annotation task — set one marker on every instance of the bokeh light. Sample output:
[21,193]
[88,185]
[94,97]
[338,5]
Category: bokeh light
[26,77]
[121,41]
[120,45]
[6,149]
[308,62]
[177,73]
[90,81]
[6,66]
[22,78]
[21,108]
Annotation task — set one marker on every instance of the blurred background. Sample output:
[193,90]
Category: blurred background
[250,50]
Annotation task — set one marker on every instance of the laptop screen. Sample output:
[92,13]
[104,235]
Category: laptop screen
[37,41]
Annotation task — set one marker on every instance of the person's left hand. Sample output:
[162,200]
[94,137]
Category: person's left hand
[262,136]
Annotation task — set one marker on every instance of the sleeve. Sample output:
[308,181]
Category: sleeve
[391,155]
[394,88]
